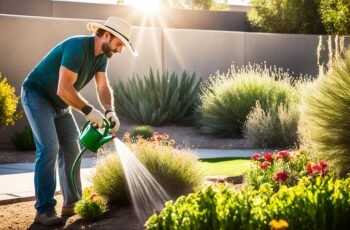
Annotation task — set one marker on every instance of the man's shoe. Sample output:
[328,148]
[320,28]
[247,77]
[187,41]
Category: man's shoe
[67,211]
[48,218]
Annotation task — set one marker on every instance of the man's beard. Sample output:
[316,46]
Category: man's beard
[107,50]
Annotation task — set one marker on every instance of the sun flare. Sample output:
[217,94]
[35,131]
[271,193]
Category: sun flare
[148,6]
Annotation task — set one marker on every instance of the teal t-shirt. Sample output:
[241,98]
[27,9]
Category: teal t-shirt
[76,54]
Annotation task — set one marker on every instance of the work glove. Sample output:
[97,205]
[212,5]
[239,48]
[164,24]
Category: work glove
[95,117]
[114,123]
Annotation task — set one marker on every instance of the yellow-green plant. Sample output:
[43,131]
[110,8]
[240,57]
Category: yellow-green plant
[108,179]
[325,110]
[277,127]
[177,170]
[227,99]
[8,103]
[91,206]
[319,203]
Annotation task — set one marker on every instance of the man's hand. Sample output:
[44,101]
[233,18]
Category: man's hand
[113,120]
[95,117]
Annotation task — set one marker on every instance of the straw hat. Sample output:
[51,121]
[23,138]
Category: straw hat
[119,28]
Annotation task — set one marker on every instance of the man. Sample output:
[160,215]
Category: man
[49,92]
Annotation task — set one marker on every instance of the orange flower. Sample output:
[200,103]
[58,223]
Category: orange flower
[165,136]
[93,196]
[171,143]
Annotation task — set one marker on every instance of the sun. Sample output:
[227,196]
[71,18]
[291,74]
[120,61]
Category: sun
[148,6]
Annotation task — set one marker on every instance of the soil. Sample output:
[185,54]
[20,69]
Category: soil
[20,214]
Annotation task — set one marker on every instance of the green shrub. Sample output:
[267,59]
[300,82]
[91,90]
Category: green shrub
[275,128]
[24,140]
[320,203]
[91,207]
[144,131]
[326,112]
[335,15]
[157,99]
[108,180]
[176,170]
[289,16]
[227,99]
[8,103]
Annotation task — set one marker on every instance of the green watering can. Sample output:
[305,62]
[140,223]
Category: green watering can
[92,139]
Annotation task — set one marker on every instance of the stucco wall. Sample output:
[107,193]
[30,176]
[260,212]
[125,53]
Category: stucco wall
[166,18]
[28,39]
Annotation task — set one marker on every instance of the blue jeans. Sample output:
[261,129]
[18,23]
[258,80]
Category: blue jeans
[56,137]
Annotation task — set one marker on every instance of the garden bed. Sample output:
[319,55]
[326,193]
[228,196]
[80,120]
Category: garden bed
[184,136]
[21,215]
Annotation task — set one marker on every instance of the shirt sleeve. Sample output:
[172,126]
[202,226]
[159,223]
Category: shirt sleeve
[103,65]
[72,57]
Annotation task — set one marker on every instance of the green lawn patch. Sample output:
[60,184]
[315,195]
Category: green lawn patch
[225,166]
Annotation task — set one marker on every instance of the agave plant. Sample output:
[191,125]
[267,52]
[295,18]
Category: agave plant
[157,99]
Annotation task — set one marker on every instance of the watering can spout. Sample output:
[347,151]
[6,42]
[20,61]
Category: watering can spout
[105,139]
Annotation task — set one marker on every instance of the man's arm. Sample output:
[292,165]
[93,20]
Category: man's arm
[104,91]
[66,90]
[68,94]
[105,95]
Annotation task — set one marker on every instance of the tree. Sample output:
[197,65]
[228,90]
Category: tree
[286,16]
[335,16]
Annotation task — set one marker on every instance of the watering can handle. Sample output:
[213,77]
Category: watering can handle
[105,121]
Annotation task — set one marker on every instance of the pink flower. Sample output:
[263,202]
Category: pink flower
[268,156]
[265,164]
[281,176]
[256,156]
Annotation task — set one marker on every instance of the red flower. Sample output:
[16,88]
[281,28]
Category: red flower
[308,167]
[323,164]
[256,156]
[281,176]
[159,137]
[265,164]
[283,154]
[316,169]
[268,156]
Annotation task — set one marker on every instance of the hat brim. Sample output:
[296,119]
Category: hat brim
[93,27]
